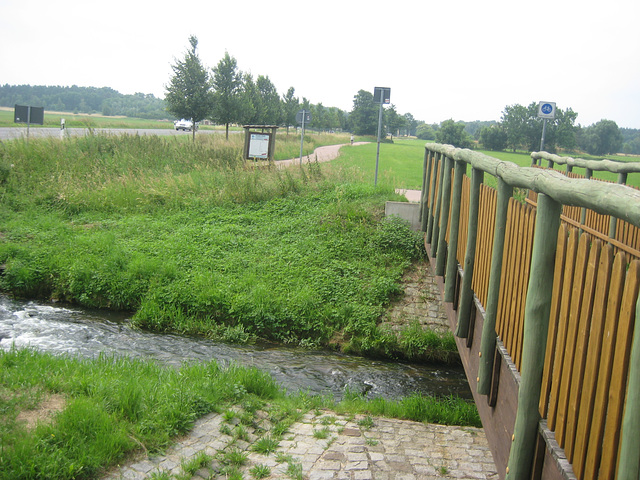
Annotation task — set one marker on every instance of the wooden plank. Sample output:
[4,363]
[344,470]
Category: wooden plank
[572,332]
[593,360]
[561,252]
[617,389]
[530,224]
[516,295]
[572,248]
[616,287]
[506,276]
[582,338]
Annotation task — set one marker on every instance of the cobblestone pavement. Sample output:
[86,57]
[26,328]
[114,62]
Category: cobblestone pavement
[322,446]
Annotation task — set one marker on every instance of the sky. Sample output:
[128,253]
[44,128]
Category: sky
[455,59]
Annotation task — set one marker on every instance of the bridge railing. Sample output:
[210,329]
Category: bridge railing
[543,312]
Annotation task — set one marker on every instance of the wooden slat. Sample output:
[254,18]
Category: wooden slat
[582,338]
[554,317]
[516,250]
[572,331]
[506,275]
[593,360]
[464,220]
[527,242]
[565,305]
[616,287]
[618,385]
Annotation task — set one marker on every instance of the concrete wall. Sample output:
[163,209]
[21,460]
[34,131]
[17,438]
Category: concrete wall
[407,211]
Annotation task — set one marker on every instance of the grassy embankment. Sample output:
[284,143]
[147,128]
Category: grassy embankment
[191,241]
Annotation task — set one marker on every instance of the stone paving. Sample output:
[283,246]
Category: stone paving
[322,446]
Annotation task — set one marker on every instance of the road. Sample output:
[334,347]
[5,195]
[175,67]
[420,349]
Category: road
[12,133]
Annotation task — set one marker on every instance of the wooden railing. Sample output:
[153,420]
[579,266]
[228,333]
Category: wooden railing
[543,312]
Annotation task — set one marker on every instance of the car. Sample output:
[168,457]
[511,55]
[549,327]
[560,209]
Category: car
[184,124]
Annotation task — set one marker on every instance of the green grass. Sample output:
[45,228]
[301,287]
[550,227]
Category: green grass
[114,407]
[400,163]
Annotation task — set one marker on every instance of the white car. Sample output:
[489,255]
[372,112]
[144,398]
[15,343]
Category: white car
[183,124]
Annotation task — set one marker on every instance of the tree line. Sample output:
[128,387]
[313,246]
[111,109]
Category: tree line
[520,128]
[77,99]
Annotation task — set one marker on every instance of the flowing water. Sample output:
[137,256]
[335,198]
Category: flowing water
[64,330]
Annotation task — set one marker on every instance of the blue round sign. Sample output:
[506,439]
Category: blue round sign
[547,108]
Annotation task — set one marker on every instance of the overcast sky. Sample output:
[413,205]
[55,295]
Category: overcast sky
[460,59]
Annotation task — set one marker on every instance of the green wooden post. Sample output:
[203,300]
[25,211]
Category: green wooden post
[629,467]
[536,324]
[613,223]
[424,194]
[583,214]
[436,223]
[454,229]
[444,217]
[466,293]
[434,166]
[488,341]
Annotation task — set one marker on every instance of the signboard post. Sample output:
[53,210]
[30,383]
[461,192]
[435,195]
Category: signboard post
[381,95]
[302,117]
[545,110]
[259,142]
[28,114]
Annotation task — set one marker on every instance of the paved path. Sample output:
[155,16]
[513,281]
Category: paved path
[323,446]
[320,154]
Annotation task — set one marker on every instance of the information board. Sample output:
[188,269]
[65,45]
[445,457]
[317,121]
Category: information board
[259,145]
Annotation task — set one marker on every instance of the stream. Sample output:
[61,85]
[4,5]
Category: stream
[74,331]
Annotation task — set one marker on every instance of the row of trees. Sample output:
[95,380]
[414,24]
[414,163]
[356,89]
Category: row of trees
[228,96]
[76,99]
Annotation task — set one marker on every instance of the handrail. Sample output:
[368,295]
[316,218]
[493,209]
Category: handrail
[618,200]
[594,165]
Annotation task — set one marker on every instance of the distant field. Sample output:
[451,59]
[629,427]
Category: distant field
[401,162]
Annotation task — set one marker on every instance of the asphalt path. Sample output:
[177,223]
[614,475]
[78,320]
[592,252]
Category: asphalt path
[13,133]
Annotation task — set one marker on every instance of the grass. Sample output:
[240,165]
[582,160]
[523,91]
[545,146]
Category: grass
[114,407]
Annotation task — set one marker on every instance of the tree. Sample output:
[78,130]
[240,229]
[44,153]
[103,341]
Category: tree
[290,107]
[452,133]
[269,109]
[515,121]
[227,87]
[493,138]
[248,100]
[425,132]
[411,124]
[394,121]
[602,138]
[364,115]
[189,94]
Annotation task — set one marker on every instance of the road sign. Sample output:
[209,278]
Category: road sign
[382,95]
[27,114]
[547,110]
[303,115]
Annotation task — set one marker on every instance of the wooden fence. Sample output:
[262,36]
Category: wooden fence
[543,310]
